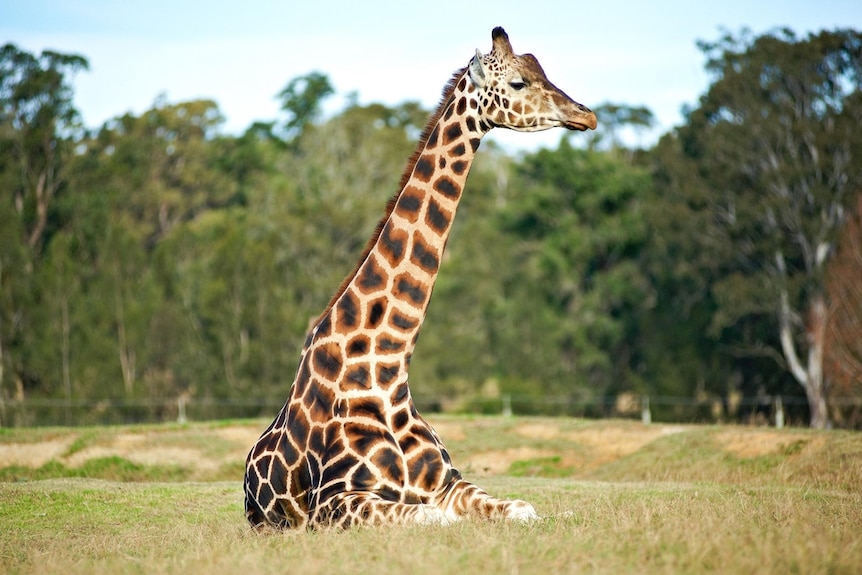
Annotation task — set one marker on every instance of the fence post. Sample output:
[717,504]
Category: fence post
[507,405]
[646,416]
[779,413]
[181,409]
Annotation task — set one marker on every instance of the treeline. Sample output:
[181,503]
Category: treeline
[156,257]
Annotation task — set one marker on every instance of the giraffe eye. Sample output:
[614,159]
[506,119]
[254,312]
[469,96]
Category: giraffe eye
[517,85]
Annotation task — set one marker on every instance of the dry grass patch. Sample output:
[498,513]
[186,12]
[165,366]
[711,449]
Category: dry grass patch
[34,454]
[747,443]
[201,452]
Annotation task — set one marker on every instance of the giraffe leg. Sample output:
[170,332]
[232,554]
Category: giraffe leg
[352,508]
[466,499]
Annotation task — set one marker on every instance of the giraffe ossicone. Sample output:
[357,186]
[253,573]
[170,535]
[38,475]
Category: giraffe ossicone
[348,447]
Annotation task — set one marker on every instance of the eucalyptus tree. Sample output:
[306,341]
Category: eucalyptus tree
[773,155]
[38,129]
[38,125]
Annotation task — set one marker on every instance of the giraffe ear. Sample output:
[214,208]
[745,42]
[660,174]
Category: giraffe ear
[476,70]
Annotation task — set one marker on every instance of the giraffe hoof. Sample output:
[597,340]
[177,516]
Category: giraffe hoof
[521,511]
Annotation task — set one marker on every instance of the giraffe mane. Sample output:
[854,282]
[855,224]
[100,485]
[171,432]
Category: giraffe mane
[445,100]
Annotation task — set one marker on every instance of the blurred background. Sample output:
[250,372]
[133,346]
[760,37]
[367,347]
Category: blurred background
[184,185]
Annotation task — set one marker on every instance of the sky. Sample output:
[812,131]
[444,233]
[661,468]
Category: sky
[241,54]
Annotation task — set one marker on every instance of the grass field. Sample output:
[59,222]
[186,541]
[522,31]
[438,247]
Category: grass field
[617,497]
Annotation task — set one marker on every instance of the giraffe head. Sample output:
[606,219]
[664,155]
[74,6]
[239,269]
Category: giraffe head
[514,92]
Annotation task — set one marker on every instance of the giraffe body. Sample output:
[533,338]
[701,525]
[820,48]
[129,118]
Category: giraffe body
[349,447]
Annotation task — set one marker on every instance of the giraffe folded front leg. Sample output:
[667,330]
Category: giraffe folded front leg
[466,499]
[350,509]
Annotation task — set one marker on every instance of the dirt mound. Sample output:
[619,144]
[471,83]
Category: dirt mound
[750,443]
[580,449]
[33,454]
[563,446]
[156,447]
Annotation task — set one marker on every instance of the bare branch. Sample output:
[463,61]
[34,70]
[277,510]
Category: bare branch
[787,346]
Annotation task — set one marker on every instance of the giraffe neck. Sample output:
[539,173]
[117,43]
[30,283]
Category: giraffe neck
[374,320]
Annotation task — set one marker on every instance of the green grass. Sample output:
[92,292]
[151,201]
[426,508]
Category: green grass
[111,468]
[694,500]
[540,467]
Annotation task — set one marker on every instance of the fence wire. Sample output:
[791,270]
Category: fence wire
[766,410]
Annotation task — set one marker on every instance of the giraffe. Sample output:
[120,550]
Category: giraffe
[348,447]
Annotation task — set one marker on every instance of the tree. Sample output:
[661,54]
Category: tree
[843,351]
[160,166]
[16,296]
[37,123]
[575,284]
[774,153]
[301,99]
[130,186]
[38,129]
[618,119]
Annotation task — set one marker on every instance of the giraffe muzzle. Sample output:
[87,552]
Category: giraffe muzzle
[584,121]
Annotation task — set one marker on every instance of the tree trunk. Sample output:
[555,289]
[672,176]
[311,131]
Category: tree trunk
[809,376]
[127,355]
[42,197]
[65,345]
[816,388]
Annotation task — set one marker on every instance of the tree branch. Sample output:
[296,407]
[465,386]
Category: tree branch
[787,346]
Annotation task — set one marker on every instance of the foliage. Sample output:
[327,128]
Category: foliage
[37,122]
[301,99]
[767,164]
[577,229]
[618,121]
[38,125]
[843,286]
